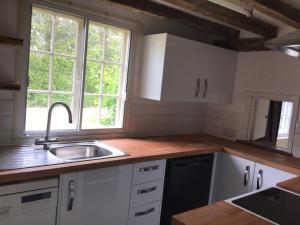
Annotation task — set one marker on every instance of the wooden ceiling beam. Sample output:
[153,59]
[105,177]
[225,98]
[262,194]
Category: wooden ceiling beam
[227,16]
[278,10]
[200,24]
[244,44]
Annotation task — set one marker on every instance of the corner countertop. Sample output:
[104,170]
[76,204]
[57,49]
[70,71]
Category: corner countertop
[23,163]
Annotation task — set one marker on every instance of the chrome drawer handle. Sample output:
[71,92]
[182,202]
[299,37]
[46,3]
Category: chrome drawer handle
[259,181]
[143,213]
[144,191]
[197,89]
[71,195]
[246,175]
[149,168]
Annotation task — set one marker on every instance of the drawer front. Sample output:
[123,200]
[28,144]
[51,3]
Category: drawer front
[148,171]
[148,214]
[145,193]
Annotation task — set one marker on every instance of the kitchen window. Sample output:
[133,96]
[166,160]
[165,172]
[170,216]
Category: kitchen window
[80,62]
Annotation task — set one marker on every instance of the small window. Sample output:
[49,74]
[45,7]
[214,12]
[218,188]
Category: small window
[90,79]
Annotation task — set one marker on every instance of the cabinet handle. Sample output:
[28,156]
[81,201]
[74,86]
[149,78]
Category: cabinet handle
[246,175]
[149,168]
[198,85]
[144,191]
[143,213]
[259,181]
[205,88]
[71,195]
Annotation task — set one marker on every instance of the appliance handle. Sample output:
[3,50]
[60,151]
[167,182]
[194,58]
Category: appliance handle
[259,180]
[246,175]
[196,163]
[71,195]
[143,213]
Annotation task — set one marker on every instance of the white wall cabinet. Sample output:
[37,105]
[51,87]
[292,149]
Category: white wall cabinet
[96,197]
[178,69]
[238,176]
[235,177]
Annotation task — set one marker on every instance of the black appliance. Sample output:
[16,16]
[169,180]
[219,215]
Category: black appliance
[277,205]
[187,185]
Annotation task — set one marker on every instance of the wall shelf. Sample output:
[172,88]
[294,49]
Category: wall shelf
[13,86]
[10,41]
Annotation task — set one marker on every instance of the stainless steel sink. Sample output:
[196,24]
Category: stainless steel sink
[84,151]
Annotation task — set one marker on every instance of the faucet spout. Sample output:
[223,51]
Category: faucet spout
[50,116]
[47,139]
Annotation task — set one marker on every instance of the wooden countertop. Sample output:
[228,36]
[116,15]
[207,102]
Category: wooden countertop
[291,185]
[220,213]
[140,150]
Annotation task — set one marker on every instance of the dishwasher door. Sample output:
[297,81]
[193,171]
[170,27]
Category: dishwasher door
[29,208]
[187,185]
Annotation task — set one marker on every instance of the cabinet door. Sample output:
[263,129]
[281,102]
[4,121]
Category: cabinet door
[96,197]
[235,177]
[219,74]
[182,70]
[265,176]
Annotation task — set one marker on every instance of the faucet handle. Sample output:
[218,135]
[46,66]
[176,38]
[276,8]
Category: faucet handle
[44,142]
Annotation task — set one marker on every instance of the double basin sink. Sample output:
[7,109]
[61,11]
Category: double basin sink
[71,152]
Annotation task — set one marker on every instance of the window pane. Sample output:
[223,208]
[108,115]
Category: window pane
[60,119]
[95,42]
[39,71]
[111,79]
[36,112]
[62,72]
[41,28]
[90,116]
[108,111]
[92,77]
[62,98]
[65,36]
[114,45]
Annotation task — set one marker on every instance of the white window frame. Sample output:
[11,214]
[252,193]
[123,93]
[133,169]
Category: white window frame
[23,60]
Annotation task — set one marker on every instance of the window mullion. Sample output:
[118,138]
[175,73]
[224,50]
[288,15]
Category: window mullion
[83,68]
[51,60]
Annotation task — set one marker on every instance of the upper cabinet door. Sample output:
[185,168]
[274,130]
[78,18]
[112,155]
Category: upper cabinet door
[265,176]
[96,197]
[178,69]
[219,74]
[234,178]
[183,70]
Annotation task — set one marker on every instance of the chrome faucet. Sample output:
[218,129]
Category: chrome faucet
[47,140]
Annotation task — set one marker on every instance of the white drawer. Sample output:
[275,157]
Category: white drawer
[148,214]
[148,171]
[145,193]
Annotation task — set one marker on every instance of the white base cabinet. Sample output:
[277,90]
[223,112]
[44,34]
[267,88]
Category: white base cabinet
[265,176]
[235,177]
[147,192]
[95,197]
[239,176]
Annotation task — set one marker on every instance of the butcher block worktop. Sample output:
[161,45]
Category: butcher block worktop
[220,213]
[29,164]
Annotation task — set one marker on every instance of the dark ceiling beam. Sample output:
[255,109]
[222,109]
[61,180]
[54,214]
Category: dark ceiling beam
[227,16]
[244,44]
[200,24]
[278,10]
